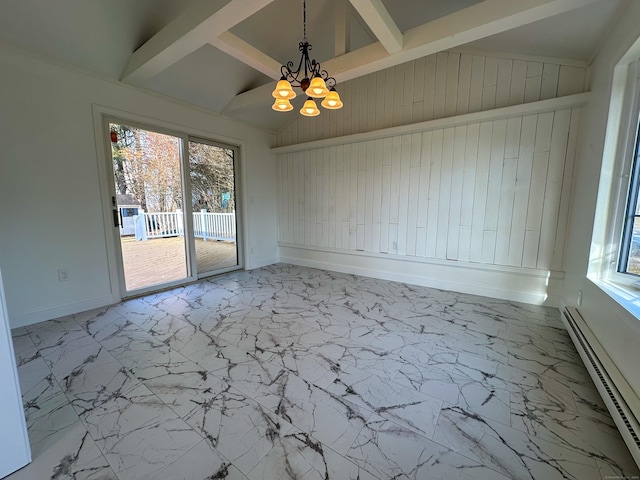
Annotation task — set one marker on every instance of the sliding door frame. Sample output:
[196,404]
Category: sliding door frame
[186,210]
[102,117]
[238,219]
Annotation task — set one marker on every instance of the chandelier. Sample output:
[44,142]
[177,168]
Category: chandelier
[315,82]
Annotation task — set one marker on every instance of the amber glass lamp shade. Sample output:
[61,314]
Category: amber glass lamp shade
[317,88]
[283,90]
[332,101]
[282,105]
[310,109]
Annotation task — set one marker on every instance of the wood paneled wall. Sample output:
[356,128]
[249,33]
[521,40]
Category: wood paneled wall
[437,86]
[491,192]
[475,198]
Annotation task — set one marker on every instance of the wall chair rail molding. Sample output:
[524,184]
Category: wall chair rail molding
[531,108]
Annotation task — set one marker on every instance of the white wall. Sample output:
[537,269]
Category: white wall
[50,202]
[475,202]
[615,328]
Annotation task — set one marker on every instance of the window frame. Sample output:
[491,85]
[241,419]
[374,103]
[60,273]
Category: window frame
[623,170]
[632,210]
[618,115]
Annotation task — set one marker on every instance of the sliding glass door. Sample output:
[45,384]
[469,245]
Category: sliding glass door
[212,175]
[163,240]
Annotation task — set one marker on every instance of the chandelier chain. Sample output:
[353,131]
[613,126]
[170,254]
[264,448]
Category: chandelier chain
[304,20]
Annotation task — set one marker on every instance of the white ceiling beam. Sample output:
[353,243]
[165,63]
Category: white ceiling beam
[484,19]
[376,16]
[251,99]
[487,18]
[248,54]
[342,25]
[473,23]
[203,21]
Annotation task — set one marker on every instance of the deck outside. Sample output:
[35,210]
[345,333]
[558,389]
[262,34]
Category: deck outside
[162,260]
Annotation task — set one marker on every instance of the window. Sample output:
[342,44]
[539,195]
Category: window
[614,257]
[614,262]
[630,245]
[129,212]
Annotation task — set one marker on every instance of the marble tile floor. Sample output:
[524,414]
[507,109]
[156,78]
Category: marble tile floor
[288,372]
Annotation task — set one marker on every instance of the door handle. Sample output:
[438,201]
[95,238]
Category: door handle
[116,218]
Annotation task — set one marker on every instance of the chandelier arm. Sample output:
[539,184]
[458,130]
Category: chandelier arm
[293,80]
[314,68]
[322,73]
[299,69]
[304,48]
[285,70]
[292,75]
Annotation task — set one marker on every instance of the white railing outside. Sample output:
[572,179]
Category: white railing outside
[214,226]
[160,225]
[206,225]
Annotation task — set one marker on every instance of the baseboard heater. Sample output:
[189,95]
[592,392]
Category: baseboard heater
[617,395]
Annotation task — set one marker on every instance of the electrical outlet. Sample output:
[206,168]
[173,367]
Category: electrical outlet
[395,245]
[63,275]
[251,250]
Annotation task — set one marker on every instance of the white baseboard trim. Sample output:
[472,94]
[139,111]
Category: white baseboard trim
[514,284]
[42,315]
[261,263]
[37,316]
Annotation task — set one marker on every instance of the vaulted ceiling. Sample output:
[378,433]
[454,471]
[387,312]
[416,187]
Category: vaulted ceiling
[224,55]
